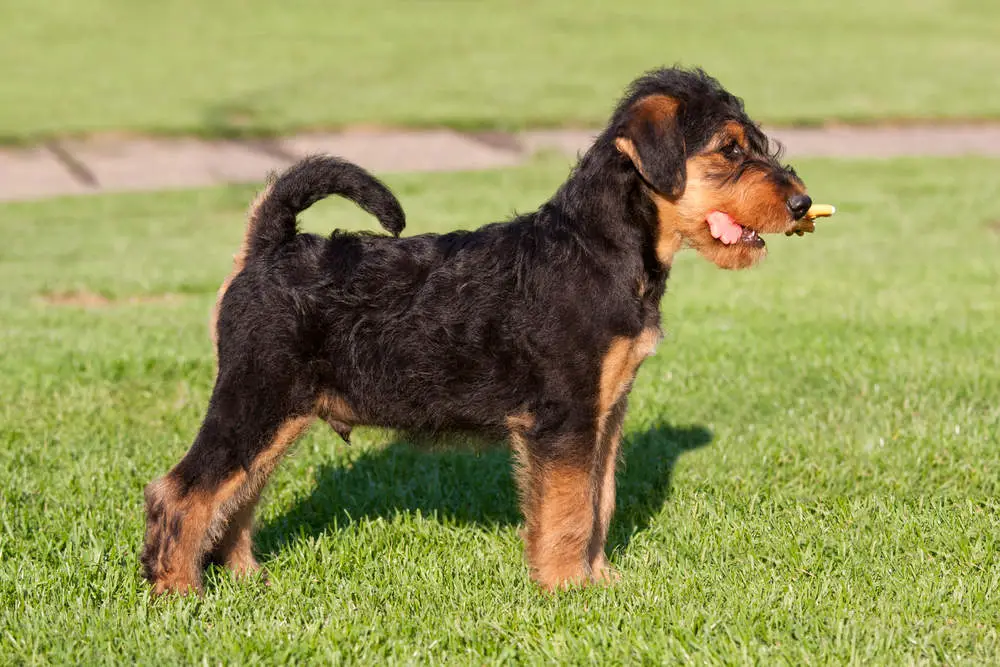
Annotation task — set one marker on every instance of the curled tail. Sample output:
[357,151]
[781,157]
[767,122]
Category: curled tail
[272,220]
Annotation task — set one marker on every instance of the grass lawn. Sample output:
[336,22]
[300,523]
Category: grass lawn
[253,66]
[811,458]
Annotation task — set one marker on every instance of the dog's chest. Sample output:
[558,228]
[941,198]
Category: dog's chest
[648,297]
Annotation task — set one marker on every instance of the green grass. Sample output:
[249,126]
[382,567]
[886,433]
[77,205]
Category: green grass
[252,66]
[811,458]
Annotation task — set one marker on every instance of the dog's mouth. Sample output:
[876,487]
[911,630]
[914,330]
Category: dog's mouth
[729,232]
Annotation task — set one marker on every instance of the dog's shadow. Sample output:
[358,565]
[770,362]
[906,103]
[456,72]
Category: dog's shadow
[469,487]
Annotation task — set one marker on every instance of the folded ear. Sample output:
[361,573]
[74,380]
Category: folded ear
[653,140]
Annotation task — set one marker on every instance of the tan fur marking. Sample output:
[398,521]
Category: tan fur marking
[182,571]
[517,425]
[668,244]
[645,344]
[618,369]
[521,421]
[159,495]
[627,148]
[284,438]
[731,131]
[235,548]
[559,526]
[225,501]
[605,502]
[199,516]
[656,108]
[614,371]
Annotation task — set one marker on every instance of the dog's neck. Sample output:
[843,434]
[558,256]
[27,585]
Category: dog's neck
[607,202]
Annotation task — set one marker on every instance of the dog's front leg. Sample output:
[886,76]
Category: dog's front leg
[606,460]
[556,480]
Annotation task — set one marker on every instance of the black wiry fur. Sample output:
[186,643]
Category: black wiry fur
[453,331]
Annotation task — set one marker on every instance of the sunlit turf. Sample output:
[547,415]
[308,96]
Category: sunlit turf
[811,466]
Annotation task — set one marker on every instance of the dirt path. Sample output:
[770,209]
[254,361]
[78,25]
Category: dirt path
[116,165]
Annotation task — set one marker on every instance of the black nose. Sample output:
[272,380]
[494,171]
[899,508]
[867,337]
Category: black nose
[799,205]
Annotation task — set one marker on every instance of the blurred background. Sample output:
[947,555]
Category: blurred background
[252,66]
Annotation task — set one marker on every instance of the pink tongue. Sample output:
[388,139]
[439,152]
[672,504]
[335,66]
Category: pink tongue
[724,227]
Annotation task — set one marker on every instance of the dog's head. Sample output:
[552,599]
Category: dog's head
[709,169]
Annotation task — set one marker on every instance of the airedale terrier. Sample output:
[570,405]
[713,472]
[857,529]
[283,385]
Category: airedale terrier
[532,329]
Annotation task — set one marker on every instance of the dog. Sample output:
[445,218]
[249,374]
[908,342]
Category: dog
[531,329]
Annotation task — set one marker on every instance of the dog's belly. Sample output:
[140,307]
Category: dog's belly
[429,372]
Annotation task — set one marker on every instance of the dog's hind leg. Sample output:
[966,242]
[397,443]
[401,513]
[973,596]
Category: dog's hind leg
[234,549]
[207,499]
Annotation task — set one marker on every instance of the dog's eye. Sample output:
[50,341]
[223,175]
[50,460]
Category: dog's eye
[731,151]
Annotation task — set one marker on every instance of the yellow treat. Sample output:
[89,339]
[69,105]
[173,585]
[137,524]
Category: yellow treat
[820,211]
